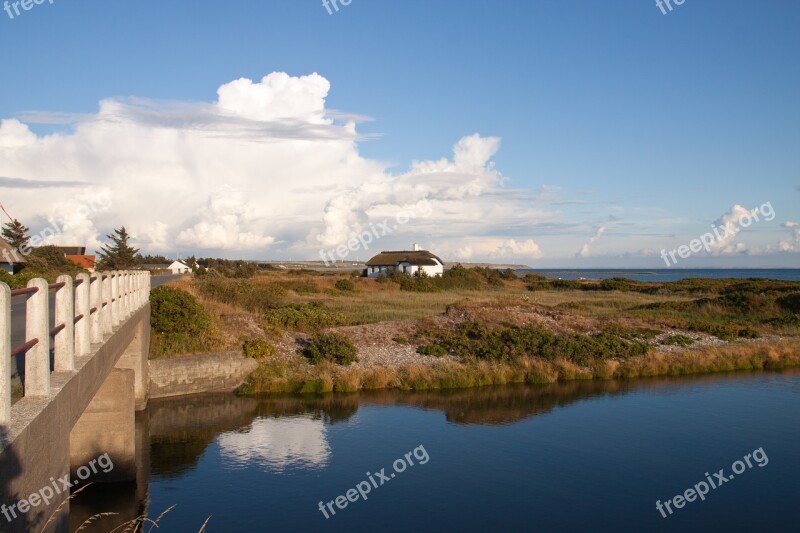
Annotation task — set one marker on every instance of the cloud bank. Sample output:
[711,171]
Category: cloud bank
[268,171]
[264,171]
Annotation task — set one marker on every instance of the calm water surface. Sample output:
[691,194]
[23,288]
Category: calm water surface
[569,457]
[669,274]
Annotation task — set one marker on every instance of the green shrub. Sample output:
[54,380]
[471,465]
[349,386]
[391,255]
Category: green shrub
[436,350]
[305,317]
[175,311]
[258,349]
[790,302]
[331,347]
[566,284]
[253,297]
[400,339]
[345,285]
[749,333]
[179,324]
[305,288]
[725,332]
[678,340]
[474,341]
[616,284]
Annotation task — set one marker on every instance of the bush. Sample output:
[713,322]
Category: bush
[400,339]
[790,302]
[331,347]
[253,297]
[305,317]
[616,284]
[566,284]
[180,324]
[749,333]
[305,288]
[345,285]
[678,340]
[725,332]
[436,350]
[258,349]
[474,341]
[175,311]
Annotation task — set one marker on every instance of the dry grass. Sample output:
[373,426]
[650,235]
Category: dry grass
[294,375]
[558,310]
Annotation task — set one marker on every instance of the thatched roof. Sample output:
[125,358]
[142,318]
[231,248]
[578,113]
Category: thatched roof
[9,255]
[418,258]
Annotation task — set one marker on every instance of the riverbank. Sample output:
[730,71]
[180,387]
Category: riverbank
[476,328]
[389,358]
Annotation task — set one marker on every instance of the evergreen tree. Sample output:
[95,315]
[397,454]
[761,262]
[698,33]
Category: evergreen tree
[118,255]
[16,234]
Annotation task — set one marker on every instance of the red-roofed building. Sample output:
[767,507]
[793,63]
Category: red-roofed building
[83,261]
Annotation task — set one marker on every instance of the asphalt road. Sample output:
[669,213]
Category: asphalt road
[18,317]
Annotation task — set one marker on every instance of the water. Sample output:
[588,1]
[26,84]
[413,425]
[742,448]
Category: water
[566,457]
[675,274]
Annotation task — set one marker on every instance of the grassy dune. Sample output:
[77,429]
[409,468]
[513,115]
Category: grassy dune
[490,329]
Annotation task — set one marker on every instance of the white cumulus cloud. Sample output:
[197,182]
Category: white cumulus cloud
[265,171]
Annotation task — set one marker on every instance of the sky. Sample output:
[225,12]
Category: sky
[556,134]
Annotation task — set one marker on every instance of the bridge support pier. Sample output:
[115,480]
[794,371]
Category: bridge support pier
[135,357]
[103,441]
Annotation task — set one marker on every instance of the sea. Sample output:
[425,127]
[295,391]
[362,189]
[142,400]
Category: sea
[782,274]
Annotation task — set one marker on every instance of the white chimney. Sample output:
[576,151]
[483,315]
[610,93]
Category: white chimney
[416,247]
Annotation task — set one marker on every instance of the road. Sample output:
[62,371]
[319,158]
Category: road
[18,317]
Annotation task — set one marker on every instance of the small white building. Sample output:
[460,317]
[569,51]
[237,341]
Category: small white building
[179,268]
[409,262]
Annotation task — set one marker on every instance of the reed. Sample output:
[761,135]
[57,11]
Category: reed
[296,376]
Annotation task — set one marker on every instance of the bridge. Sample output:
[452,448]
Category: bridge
[84,376]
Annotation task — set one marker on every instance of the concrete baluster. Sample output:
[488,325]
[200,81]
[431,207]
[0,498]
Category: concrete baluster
[126,307]
[107,324]
[129,300]
[83,333]
[64,340]
[139,289]
[114,301]
[96,302]
[5,354]
[37,326]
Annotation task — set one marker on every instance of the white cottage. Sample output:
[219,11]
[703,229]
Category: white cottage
[409,262]
[179,268]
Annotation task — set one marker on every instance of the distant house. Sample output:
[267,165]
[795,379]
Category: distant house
[409,262]
[86,262]
[77,254]
[10,259]
[179,268]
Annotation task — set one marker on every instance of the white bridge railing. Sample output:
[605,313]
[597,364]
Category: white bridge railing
[86,310]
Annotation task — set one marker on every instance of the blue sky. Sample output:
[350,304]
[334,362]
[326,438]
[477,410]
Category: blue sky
[614,121]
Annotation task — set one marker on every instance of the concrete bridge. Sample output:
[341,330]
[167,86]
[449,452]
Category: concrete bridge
[85,376]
